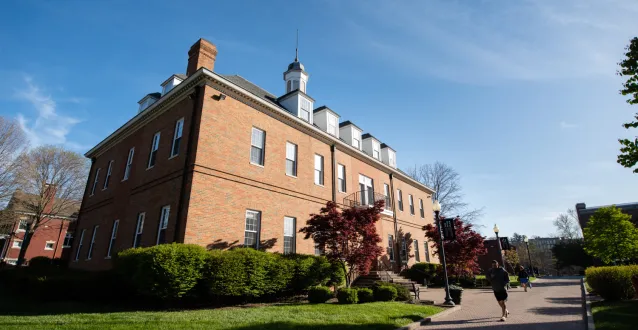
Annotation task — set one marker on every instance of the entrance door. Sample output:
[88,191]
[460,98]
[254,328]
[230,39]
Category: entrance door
[366,189]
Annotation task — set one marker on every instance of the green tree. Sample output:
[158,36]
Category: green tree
[511,260]
[629,68]
[610,235]
[571,253]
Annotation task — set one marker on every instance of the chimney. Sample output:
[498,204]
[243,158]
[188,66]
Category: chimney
[49,196]
[201,54]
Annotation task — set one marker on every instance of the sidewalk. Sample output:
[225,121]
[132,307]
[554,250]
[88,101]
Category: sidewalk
[553,304]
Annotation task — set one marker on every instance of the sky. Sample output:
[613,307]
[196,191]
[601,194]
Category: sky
[520,97]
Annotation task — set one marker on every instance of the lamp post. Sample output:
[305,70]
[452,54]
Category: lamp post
[437,209]
[500,249]
[529,255]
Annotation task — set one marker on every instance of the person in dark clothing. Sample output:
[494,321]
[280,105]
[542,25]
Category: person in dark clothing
[499,278]
[523,277]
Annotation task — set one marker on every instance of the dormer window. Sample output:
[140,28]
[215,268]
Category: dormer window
[327,120]
[332,124]
[375,150]
[388,155]
[350,133]
[356,142]
[147,101]
[304,109]
[171,82]
[371,146]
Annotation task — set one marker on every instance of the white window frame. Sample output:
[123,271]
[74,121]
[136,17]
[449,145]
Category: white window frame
[17,244]
[341,178]
[89,253]
[376,150]
[356,137]
[26,222]
[108,175]
[177,137]
[68,238]
[12,261]
[129,164]
[426,249]
[52,245]
[386,193]
[392,159]
[116,224]
[77,252]
[400,199]
[163,223]
[262,148]
[411,201]
[139,229]
[421,210]
[319,172]
[152,156]
[258,229]
[331,124]
[291,155]
[390,250]
[303,103]
[290,233]
[95,180]
[417,256]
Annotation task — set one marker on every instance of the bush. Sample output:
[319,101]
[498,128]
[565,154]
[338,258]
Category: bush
[40,263]
[403,294]
[365,295]
[319,294]
[385,293]
[312,271]
[423,271]
[347,296]
[337,275]
[613,282]
[167,271]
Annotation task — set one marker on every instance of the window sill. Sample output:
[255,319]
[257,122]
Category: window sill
[104,189]
[91,195]
[87,259]
[291,176]
[320,185]
[66,247]
[108,257]
[45,249]
[173,156]
[21,230]
[124,180]
[148,168]
[17,248]
[343,192]
[258,165]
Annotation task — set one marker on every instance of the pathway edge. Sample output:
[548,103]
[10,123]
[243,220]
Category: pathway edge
[428,320]
[589,316]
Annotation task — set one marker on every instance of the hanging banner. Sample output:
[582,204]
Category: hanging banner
[449,234]
[505,243]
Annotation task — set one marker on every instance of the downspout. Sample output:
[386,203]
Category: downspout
[187,160]
[397,253]
[334,172]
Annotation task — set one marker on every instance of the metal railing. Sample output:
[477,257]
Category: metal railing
[366,198]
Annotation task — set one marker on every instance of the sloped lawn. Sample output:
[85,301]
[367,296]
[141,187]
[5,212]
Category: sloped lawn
[617,315]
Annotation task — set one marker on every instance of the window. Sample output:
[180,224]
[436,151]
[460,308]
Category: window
[68,240]
[129,163]
[95,179]
[341,177]
[253,224]
[49,245]
[113,237]
[23,225]
[163,224]
[89,254]
[289,86]
[77,252]
[404,250]
[366,189]
[386,193]
[318,250]
[427,251]
[177,137]
[290,244]
[17,244]
[391,248]
[356,139]
[332,125]
[411,201]
[139,227]
[154,146]
[13,262]
[421,208]
[319,170]
[375,150]
[391,160]
[417,258]
[400,199]
[304,110]
[291,159]
[108,175]
[257,142]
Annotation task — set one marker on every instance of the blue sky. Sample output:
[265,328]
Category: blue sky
[520,97]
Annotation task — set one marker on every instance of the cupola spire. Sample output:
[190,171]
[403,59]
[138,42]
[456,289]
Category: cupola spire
[296,76]
[297,48]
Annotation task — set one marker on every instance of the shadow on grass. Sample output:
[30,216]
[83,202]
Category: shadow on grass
[617,315]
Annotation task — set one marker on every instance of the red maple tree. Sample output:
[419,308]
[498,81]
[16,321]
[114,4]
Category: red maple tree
[349,236]
[461,254]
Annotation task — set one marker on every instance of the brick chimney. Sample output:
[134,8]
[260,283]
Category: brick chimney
[201,54]
[49,196]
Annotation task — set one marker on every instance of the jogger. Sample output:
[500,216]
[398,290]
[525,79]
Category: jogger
[499,278]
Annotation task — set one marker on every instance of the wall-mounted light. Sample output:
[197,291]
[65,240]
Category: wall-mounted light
[219,97]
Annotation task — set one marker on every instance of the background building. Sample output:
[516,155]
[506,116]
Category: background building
[584,212]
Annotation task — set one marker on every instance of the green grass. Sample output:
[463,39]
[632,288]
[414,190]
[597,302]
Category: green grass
[616,315]
[378,315]
[512,278]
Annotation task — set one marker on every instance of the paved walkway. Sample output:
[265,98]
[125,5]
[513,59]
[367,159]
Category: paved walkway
[553,304]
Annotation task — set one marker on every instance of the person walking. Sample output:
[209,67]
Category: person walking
[499,279]
[523,277]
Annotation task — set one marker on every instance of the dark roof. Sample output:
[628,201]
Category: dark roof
[294,92]
[178,75]
[368,135]
[20,202]
[347,122]
[155,95]
[296,65]
[253,89]
[383,145]
[323,107]
[181,76]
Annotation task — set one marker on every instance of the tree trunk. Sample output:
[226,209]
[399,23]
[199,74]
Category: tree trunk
[25,245]
[347,274]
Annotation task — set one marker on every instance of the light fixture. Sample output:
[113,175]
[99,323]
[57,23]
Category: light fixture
[525,239]
[222,97]
[436,207]
[496,229]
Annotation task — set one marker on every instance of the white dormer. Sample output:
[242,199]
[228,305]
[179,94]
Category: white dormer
[371,146]
[147,100]
[351,134]
[327,120]
[388,155]
[299,104]
[171,82]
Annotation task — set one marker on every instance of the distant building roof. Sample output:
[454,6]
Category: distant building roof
[584,212]
[20,202]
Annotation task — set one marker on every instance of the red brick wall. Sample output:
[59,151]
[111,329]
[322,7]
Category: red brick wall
[49,231]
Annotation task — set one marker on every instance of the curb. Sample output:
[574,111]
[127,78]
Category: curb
[428,320]
[588,317]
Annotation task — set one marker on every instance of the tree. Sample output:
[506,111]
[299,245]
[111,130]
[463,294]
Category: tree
[461,254]
[12,142]
[54,178]
[570,253]
[349,236]
[404,243]
[610,235]
[629,68]
[511,260]
[567,225]
[447,184]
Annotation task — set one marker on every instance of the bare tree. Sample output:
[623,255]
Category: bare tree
[12,142]
[567,225]
[447,184]
[54,180]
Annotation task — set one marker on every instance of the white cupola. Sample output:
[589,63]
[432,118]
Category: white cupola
[295,100]
[296,76]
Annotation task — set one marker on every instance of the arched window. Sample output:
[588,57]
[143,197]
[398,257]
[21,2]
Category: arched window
[303,86]
[289,87]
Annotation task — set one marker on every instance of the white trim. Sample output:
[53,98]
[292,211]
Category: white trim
[163,222]
[13,244]
[179,128]
[49,242]
[116,225]
[129,164]
[258,231]
[262,148]
[77,251]
[154,149]
[89,253]
[95,181]
[107,178]
[139,227]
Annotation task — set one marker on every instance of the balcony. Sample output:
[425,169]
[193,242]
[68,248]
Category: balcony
[366,198]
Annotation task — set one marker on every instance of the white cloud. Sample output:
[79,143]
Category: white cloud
[47,126]
[566,125]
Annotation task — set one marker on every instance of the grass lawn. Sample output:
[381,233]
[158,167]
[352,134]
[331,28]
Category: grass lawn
[512,278]
[617,315]
[378,315]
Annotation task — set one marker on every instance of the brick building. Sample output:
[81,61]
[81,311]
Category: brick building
[217,161]
[584,212]
[52,239]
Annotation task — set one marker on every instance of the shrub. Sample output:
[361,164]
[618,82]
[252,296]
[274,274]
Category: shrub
[337,275]
[310,271]
[319,294]
[167,271]
[40,263]
[385,293]
[403,294]
[423,271]
[365,295]
[347,296]
[613,282]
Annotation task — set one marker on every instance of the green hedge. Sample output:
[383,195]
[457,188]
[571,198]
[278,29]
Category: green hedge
[385,293]
[612,282]
[403,294]
[319,294]
[347,296]
[310,271]
[423,270]
[365,295]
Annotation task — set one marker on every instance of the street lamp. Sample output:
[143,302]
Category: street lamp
[500,249]
[526,240]
[437,209]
